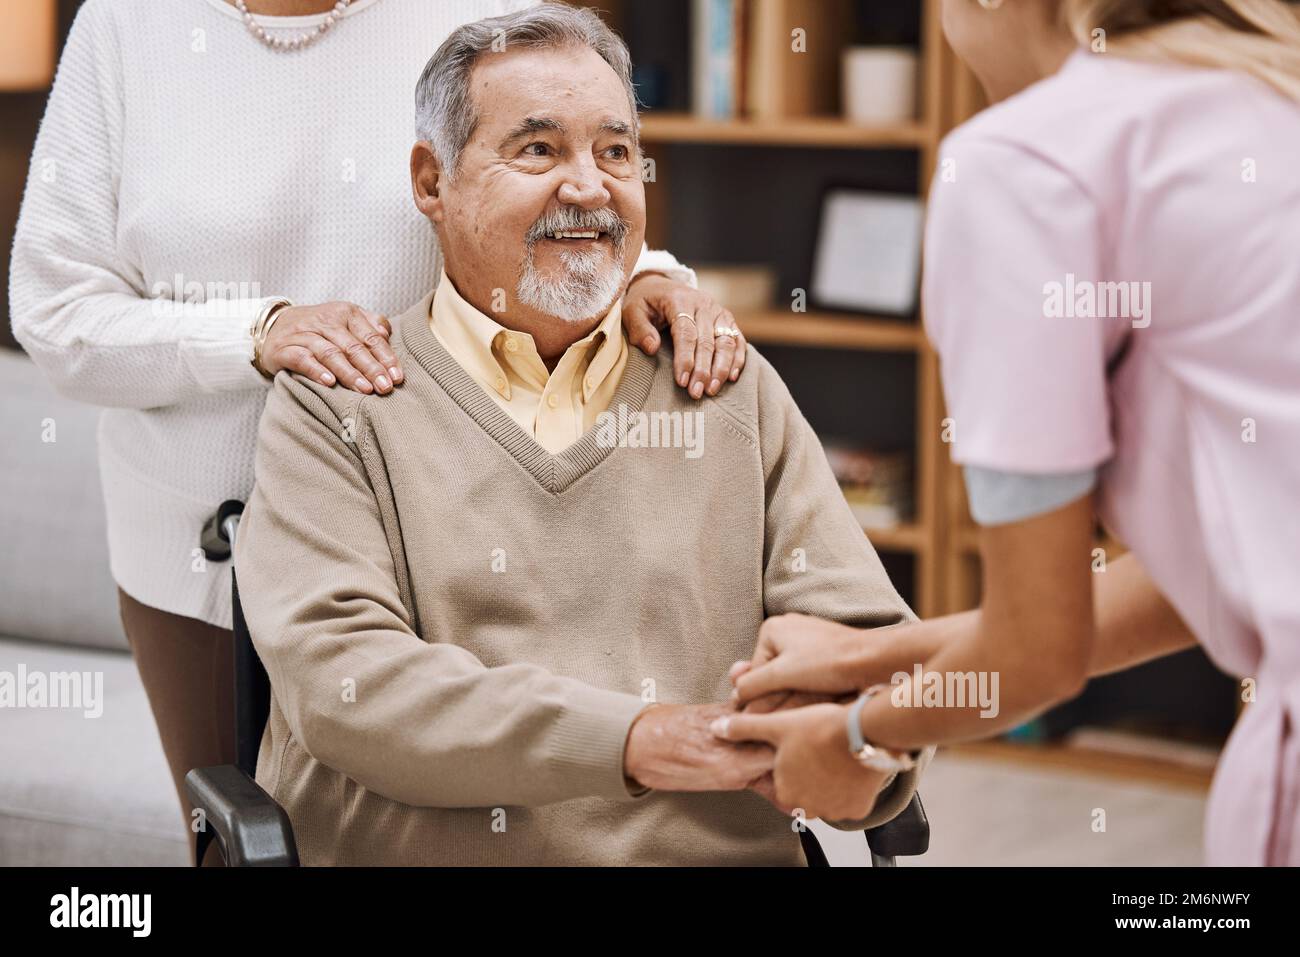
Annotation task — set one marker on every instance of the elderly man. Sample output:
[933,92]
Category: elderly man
[499,605]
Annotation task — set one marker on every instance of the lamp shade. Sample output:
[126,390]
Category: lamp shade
[28,43]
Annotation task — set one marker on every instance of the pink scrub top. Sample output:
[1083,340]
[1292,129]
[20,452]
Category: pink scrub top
[1182,385]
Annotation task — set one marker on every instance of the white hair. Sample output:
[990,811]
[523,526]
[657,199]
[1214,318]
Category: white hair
[444,109]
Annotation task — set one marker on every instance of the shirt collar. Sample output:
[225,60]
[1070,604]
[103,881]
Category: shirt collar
[470,336]
[606,344]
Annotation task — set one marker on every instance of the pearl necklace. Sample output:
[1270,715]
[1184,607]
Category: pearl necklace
[299,42]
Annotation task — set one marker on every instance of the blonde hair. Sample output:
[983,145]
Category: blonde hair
[1258,37]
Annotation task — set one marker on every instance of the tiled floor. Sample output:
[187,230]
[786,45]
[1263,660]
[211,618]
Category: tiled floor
[993,812]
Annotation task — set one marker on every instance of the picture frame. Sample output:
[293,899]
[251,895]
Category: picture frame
[868,252]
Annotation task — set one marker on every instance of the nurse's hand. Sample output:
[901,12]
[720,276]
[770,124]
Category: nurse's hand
[703,361]
[334,341]
[813,769]
[783,701]
[807,654]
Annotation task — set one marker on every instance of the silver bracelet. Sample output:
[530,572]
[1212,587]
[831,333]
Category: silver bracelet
[867,754]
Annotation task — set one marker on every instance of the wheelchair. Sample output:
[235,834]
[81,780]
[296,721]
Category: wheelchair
[251,830]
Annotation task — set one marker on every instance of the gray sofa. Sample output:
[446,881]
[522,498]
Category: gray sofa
[74,789]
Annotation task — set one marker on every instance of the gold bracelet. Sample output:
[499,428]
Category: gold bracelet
[262,324]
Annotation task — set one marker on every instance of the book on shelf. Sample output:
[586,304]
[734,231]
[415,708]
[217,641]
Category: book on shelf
[716,34]
[742,288]
[766,59]
[877,485]
[792,57]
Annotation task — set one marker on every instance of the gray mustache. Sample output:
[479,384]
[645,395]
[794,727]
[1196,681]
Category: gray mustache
[604,220]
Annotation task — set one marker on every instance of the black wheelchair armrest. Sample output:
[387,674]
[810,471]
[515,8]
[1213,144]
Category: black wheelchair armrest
[906,835]
[249,827]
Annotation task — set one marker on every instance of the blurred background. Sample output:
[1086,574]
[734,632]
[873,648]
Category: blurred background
[795,186]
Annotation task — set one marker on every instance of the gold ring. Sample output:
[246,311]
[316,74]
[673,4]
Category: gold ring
[685,315]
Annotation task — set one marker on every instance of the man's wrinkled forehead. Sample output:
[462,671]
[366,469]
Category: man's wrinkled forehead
[555,90]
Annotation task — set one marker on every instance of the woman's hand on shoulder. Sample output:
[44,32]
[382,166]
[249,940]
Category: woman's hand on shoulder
[334,342]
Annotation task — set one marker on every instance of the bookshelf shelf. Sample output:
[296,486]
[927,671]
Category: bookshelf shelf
[901,538]
[824,132]
[830,331]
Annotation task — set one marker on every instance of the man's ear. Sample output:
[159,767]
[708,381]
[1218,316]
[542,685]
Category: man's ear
[427,181]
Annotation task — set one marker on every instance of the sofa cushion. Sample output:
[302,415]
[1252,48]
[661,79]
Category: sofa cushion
[78,790]
[55,583]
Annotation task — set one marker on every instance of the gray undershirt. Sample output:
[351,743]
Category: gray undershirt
[998,498]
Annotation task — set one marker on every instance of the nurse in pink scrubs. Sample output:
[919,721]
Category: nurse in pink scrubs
[1113,286]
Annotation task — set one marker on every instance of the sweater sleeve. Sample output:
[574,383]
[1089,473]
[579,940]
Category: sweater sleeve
[79,307]
[660,260]
[816,558]
[419,721]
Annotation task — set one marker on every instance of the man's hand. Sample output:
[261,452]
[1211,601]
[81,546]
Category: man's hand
[670,748]
[702,360]
[814,770]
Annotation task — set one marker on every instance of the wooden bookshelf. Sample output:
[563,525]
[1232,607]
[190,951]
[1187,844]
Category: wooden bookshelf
[824,132]
[925,539]
[908,537]
[824,330]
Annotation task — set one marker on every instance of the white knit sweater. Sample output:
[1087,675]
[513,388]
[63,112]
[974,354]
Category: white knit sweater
[180,158]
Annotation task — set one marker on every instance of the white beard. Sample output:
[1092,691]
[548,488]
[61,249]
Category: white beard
[590,284]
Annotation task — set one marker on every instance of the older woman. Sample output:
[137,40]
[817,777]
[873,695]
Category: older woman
[206,170]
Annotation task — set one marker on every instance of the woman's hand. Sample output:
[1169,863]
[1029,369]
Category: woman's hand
[803,653]
[702,360]
[334,341]
[813,769]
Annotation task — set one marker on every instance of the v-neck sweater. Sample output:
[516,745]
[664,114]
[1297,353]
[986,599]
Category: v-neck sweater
[556,404]
[460,627]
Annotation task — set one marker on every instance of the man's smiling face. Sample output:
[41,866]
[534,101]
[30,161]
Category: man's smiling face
[547,202]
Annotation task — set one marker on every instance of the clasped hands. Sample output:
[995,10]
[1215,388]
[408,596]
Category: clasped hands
[783,733]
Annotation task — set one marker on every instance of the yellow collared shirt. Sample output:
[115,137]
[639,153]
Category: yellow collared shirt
[555,408]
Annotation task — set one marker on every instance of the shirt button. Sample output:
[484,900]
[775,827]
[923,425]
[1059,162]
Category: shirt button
[589,383]
[511,345]
[552,401]
[501,383]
